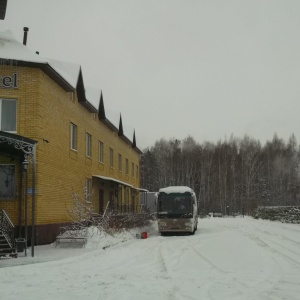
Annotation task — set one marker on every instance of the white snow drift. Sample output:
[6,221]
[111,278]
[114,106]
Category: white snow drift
[227,258]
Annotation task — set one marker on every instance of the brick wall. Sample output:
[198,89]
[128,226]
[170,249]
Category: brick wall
[44,112]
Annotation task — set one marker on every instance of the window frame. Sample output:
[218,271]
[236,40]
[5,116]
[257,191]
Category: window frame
[15,116]
[127,166]
[88,189]
[120,162]
[100,152]
[73,142]
[111,157]
[88,144]
[132,170]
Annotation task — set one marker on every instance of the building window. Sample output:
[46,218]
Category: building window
[73,136]
[88,145]
[100,148]
[88,189]
[111,157]
[8,115]
[127,166]
[136,172]
[72,98]
[126,193]
[132,170]
[7,181]
[120,162]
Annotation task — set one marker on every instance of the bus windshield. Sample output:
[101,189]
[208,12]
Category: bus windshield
[175,204]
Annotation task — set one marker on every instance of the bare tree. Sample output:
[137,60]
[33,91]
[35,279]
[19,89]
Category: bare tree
[235,174]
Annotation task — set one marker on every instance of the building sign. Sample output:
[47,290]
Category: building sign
[8,81]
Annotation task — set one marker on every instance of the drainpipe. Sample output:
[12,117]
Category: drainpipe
[20,198]
[33,234]
[26,29]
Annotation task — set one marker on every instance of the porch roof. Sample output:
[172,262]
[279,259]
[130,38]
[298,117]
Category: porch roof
[16,145]
[112,179]
[141,190]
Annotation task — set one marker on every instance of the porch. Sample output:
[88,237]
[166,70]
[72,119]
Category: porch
[17,189]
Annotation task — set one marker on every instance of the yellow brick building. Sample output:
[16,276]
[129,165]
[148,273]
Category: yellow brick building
[52,121]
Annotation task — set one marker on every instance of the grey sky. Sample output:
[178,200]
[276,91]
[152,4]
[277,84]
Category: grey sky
[207,69]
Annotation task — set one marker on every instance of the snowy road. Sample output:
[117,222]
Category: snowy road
[227,258]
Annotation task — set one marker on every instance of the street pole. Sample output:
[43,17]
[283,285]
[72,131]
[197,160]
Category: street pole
[26,210]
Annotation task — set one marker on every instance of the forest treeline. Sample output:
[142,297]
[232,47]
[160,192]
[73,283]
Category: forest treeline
[234,175]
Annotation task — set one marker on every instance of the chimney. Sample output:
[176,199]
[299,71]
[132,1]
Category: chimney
[26,29]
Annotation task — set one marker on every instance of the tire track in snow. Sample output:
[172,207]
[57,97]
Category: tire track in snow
[208,261]
[234,286]
[162,261]
[281,249]
[281,281]
[270,245]
[281,236]
[170,256]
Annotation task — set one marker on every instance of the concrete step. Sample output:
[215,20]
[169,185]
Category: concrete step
[6,251]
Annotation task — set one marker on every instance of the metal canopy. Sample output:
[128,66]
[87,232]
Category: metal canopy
[12,144]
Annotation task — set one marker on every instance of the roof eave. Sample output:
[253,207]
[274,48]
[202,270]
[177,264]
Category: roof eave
[110,125]
[45,67]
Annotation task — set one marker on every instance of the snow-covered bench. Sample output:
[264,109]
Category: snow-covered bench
[70,239]
[75,237]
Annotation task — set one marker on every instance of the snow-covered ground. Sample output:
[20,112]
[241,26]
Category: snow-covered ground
[227,258]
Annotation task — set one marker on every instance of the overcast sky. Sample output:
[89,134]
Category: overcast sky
[175,68]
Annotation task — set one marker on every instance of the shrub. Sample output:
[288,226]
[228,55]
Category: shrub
[284,214]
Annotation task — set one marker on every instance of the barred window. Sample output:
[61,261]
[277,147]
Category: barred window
[7,181]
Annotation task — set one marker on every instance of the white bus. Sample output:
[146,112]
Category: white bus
[177,210]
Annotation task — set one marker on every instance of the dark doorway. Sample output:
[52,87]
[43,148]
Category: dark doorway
[101,201]
[111,200]
[133,203]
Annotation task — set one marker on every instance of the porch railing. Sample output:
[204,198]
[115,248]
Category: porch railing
[121,208]
[7,227]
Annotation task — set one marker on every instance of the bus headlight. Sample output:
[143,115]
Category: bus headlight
[188,224]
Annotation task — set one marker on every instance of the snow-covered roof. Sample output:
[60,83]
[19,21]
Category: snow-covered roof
[93,96]
[128,131]
[176,189]
[69,71]
[10,48]
[113,116]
